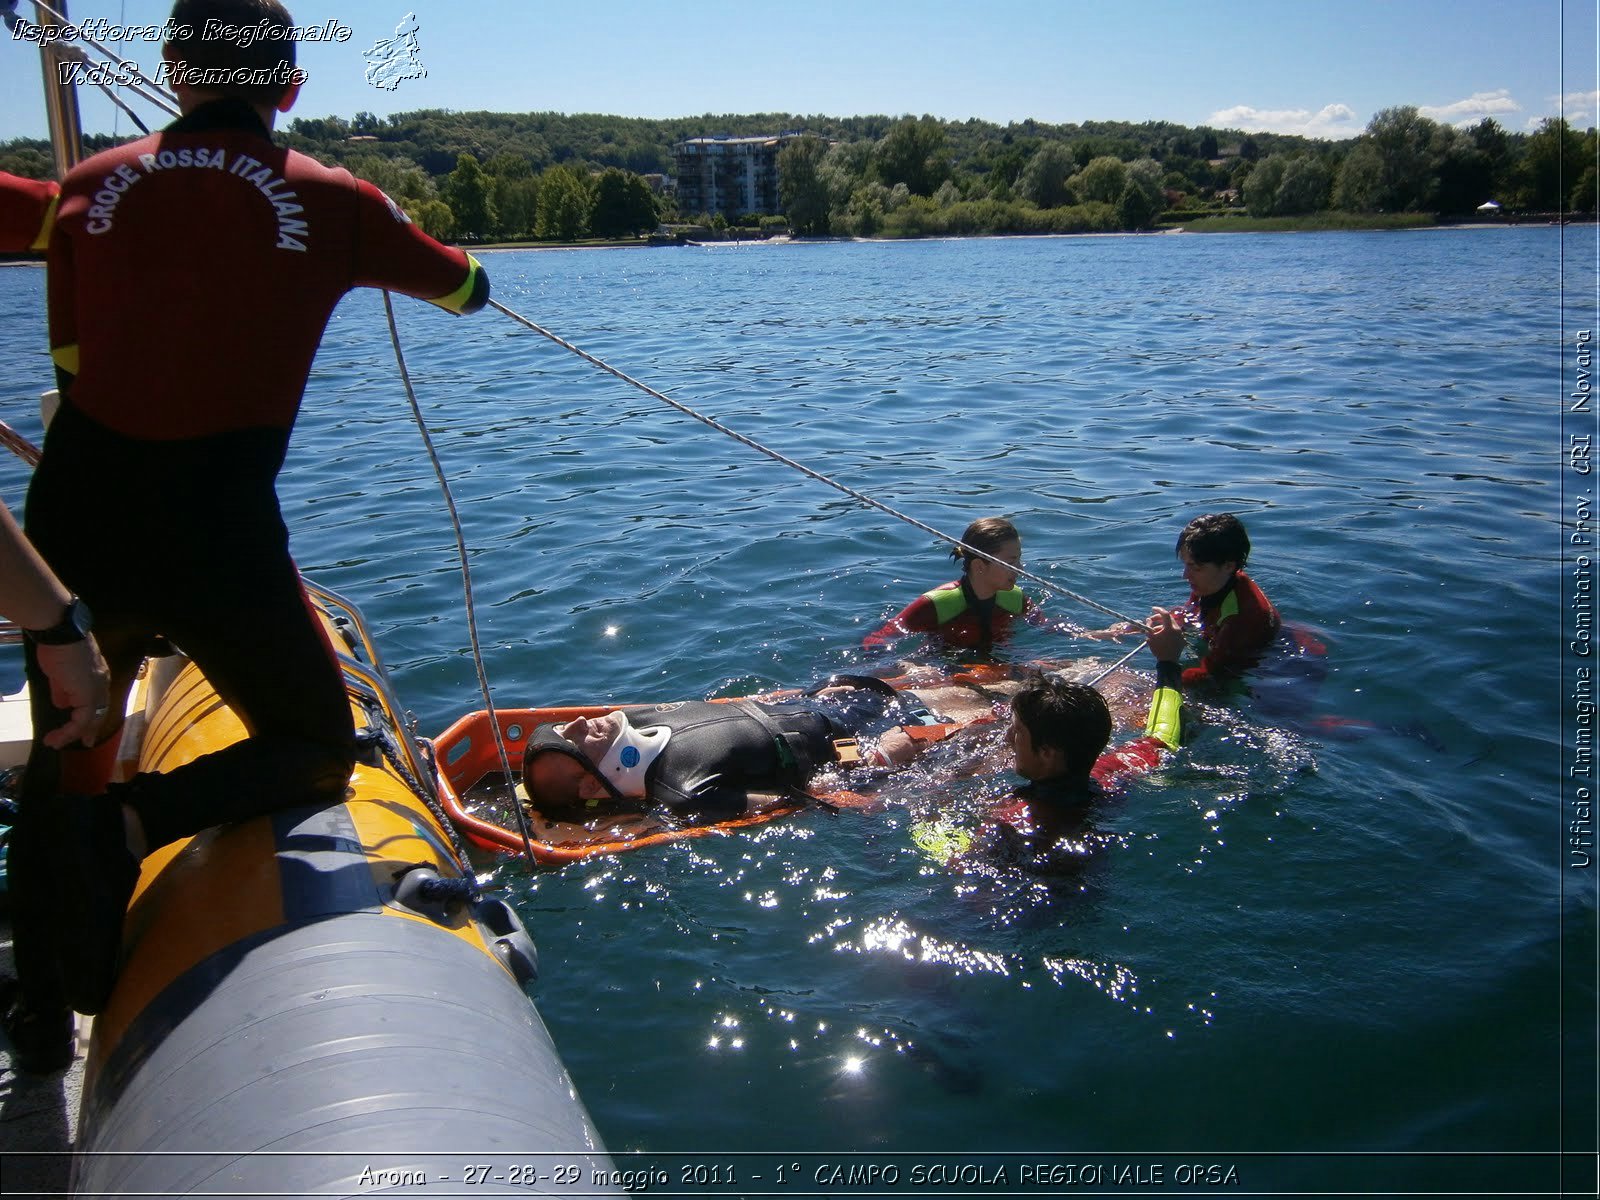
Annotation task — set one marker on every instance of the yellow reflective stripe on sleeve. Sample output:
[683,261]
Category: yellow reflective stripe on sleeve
[1164,721]
[457,299]
[43,240]
[66,357]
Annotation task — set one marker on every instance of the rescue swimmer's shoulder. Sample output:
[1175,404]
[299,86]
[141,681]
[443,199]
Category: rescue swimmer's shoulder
[171,182]
[233,152]
[93,168]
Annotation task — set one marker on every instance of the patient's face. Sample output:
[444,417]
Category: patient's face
[561,779]
[592,735]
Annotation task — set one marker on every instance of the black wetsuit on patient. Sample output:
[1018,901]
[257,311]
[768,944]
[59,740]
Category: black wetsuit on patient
[721,754]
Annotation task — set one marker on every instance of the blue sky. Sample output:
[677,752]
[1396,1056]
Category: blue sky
[1317,68]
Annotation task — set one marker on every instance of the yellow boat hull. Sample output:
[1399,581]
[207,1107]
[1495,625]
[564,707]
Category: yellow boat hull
[311,1002]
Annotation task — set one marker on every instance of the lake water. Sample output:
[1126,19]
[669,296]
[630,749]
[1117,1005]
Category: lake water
[1337,965]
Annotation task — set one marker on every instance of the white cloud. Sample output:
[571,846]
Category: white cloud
[1578,107]
[1473,109]
[1331,121]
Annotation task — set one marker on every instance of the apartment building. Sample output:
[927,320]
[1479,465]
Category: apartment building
[729,175]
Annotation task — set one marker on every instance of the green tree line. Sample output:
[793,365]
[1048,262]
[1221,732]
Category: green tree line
[505,176]
[504,200]
[910,182]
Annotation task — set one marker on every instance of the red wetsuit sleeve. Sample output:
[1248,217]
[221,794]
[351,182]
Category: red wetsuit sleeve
[919,616]
[26,206]
[1236,642]
[391,252]
[1135,757]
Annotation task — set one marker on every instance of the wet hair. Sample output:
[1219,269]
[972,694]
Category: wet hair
[988,534]
[1070,717]
[1215,538]
[551,807]
[263,43]
[546,742]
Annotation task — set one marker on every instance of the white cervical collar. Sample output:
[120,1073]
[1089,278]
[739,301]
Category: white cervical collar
[630,756]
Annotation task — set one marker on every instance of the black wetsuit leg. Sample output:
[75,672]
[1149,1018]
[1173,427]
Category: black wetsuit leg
[185,540]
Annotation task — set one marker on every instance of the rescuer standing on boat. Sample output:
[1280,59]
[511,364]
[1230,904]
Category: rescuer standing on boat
[191,274]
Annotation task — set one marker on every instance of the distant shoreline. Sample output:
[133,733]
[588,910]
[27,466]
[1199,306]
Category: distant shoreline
[1232,225]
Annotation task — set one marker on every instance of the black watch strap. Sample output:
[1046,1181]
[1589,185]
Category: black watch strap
[73,626]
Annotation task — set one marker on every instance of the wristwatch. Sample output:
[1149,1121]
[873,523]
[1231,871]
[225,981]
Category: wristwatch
[73,626]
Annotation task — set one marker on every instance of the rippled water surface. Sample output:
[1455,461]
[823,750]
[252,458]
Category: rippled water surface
[1291,942]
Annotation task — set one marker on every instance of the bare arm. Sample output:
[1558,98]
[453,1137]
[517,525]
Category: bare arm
[34,598]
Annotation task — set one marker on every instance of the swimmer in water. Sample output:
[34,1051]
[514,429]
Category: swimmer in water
[1057,736]
[1235,621]
[979,608]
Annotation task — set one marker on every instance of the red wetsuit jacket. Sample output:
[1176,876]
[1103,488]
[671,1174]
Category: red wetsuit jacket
[26,206]
[1237,623]
[192,273]
[956,616]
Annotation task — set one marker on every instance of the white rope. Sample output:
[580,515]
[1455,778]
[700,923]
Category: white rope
[805,470]
[1115,665]
[466,583]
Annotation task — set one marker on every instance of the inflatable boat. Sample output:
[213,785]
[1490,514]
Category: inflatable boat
[321,1002]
